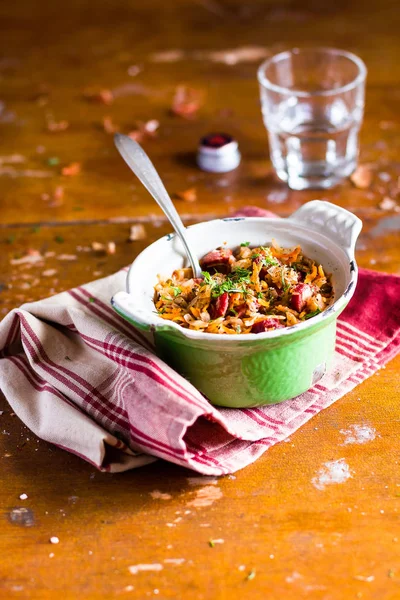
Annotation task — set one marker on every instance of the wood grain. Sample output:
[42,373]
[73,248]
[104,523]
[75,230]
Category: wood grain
[294,540]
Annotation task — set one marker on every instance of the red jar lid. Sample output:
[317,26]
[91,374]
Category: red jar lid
[218,153]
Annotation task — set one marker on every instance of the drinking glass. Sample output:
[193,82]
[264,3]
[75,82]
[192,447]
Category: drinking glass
[312,104]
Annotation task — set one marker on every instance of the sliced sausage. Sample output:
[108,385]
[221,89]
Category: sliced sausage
[266,325]
[301,293]
[219,308]
[218,261]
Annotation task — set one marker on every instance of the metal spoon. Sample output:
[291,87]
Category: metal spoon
[137,159]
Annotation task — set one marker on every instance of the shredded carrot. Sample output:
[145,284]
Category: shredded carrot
[311,276]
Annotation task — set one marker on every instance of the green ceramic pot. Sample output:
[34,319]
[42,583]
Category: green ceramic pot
[251,369]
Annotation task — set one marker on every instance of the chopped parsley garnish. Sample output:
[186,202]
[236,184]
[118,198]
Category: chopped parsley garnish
[245,244]
[227,286]
[240,274]
[91,299]
[211,543]
[267,261]
[312,314]
[176,290]
[207,277]
[285,286]
[231,285]
[59,239]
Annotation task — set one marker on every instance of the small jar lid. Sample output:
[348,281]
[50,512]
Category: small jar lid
[218,153]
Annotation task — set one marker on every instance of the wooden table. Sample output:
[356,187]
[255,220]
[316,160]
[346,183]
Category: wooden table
[297,541]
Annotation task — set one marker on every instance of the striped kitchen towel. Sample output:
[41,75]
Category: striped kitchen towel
[81,377]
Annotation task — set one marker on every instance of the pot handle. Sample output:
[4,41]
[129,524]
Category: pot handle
[340,225]
[122,303]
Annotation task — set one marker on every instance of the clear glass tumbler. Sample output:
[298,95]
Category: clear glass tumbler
[312,104]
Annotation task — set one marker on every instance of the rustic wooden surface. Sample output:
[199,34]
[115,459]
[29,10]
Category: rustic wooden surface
[298,541]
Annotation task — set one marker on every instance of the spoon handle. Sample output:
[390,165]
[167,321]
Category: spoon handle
[138,161]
